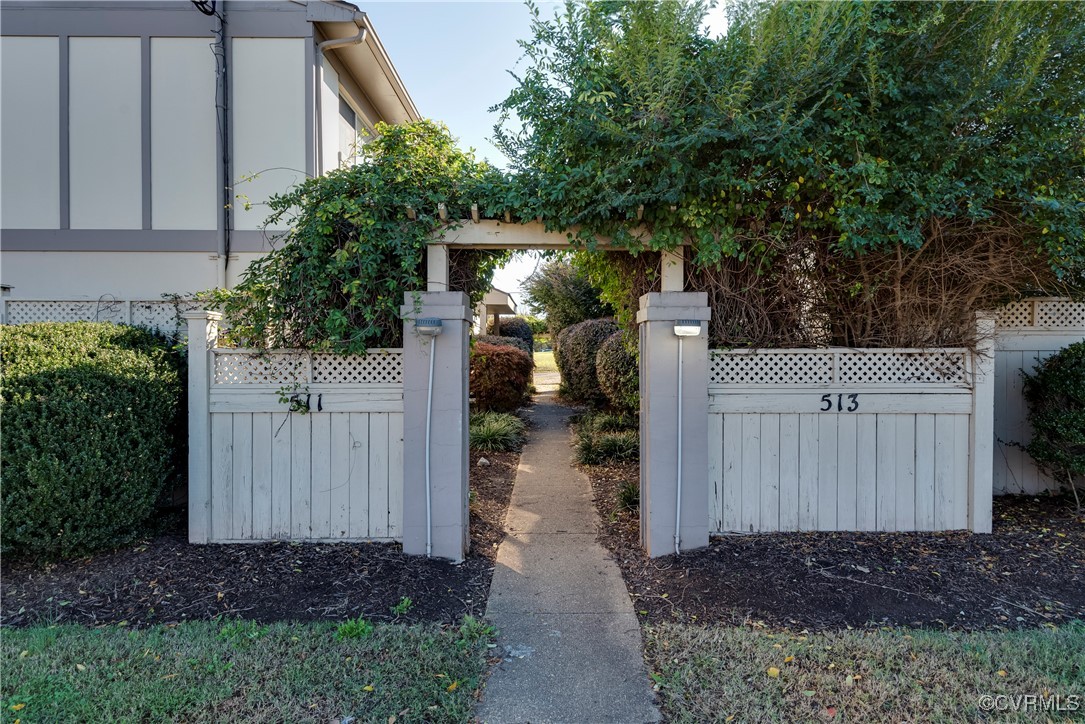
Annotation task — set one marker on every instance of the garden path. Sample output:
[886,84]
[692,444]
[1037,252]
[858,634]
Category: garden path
[569,636]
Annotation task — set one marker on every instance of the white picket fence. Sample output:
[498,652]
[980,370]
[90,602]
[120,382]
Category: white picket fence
[332,469]
[1029,332]
[159,314]
[849,439]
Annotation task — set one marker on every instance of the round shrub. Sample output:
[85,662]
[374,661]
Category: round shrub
[618,372]
[515,327]
[500,377]
[575,355]
[91,428]
[1055,393]
[505,341]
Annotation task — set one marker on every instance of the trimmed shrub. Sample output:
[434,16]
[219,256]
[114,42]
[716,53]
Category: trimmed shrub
[504,341]
[496,432]
[515,327]
[618,372]
[500,377]
[92,424]
[575,354]
[1055,393]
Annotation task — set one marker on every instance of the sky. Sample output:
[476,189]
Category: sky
[454,58]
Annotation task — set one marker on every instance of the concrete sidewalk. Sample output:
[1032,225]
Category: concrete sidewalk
[568,631]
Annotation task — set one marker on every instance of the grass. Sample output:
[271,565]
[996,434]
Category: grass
[710,674]
[242,671]
[544,362]
[496,432]
[603,437]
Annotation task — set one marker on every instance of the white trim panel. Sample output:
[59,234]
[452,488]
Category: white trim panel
[183,126]
[105,133]
[29,147]
[269,110]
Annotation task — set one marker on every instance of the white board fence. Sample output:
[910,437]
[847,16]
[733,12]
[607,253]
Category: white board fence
[849,439]
[1028,332]
[259,471]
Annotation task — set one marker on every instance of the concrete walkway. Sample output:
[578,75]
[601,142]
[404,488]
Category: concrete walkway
[568,631]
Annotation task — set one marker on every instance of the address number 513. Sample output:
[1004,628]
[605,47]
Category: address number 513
[843,403]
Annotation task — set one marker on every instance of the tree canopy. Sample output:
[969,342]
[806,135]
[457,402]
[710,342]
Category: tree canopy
[861,173]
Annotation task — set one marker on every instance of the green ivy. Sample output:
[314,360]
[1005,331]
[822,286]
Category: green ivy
[336,280]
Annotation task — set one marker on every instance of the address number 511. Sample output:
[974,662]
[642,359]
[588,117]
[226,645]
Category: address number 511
[843,403]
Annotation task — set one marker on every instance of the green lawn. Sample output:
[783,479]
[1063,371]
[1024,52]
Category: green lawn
[750,674]
[544,362]
[241,671]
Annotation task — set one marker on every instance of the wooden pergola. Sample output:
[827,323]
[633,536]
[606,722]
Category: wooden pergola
[477,233]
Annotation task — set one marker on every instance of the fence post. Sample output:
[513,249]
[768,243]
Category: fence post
[203,332]
[449,459]
[659,441]
[982,428]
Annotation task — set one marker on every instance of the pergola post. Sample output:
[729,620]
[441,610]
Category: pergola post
[444,424]
[669,423]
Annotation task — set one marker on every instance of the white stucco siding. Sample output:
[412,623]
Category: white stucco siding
[105,133]
[30,137]
[269,109]
[184,183]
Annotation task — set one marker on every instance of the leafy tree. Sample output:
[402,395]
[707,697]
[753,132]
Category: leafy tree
[1055,393]
[563,293]
[856,173]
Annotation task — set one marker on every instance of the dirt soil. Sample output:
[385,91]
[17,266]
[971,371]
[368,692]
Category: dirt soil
[1029,572]
[166,580]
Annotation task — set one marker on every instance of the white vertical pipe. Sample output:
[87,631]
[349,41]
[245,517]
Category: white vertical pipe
[678,492]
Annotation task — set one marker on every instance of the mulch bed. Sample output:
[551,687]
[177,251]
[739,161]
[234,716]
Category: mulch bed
[1029,572]
[166,580]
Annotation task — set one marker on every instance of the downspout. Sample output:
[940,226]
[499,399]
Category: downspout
[223,107]
[363,30]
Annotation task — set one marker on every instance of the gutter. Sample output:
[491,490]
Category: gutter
[362,22]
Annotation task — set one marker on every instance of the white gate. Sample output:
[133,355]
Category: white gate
[849,439]
[293,445]
[1029,332]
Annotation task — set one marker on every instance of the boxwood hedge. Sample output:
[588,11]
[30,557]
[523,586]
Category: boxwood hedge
[92,424]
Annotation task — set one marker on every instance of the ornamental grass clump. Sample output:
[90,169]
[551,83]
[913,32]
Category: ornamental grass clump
[93,431]
[496,432]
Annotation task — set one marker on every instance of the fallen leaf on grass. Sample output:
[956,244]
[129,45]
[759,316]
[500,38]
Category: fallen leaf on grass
[80,667]
[788,659]
[453,686]
[773,672]
[368,687]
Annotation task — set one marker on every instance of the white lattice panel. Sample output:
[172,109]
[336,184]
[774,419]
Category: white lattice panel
[23,311]
[163,316]
[1015,314]
[1060,313]
[771,367]
[379,367]
[1050,313]
[840,367]
[244,367]
[253,368]
[936,366]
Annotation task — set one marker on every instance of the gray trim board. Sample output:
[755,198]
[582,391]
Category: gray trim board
[108,240]
[65,161]
[311,108]
[145,126]
[167,21]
